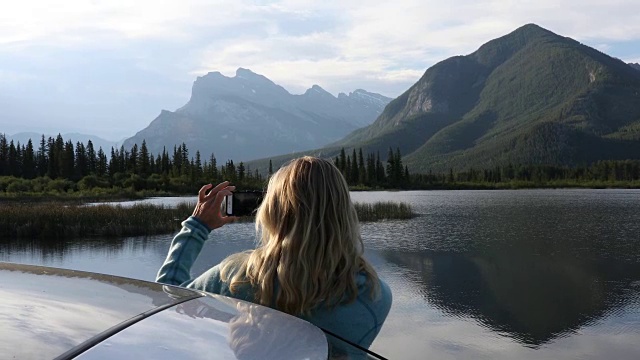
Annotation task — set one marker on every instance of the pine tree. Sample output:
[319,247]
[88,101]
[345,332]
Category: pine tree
[101,165]
[197,166]
[230,171]
[52,157]
[13,161]
[4,155]
[29,170]
[67,160]
[132,165]
[354,174]
[92,158]
[214,168]
[380,176]
[391,168]
[144,160]
[177,163]
[185,168]
[347,170]
[56,148]
[241,171]
[113,162]
[398,168]
[123,159]
[165,164]
[81,163]
[342,162]
[371,169]
[362,171]
[155,167]
[41,158]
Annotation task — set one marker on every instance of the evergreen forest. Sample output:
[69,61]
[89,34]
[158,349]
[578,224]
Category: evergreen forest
[58,167]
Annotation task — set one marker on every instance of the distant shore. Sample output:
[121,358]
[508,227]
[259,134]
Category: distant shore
[129,194]
[513,185]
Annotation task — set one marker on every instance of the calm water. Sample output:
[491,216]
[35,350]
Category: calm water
[541,274]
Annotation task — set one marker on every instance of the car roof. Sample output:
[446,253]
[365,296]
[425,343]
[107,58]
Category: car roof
[56,313]
[215,327]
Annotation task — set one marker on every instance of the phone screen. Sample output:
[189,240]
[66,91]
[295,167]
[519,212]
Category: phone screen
[243,203]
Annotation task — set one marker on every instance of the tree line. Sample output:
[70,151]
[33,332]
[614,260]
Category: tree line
[82,167]
[600,173]
[66,165]
[371,172]
[62,166]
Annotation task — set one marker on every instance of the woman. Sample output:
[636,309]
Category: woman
[309,261]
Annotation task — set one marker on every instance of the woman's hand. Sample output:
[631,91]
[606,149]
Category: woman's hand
[208,207]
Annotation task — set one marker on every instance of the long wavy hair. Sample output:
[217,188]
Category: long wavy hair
[309,242]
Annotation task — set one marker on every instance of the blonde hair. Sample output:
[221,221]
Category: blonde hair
[309,242]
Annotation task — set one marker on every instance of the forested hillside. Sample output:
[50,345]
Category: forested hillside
[529,97]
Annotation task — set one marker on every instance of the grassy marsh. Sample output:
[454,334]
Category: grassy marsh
[55,220]
[383,211]
[51,220]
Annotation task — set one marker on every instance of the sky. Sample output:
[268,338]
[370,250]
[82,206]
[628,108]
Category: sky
[108,68]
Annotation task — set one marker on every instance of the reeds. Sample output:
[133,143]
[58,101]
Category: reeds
[383,211]
[65,221]
[372,212]
[62,221]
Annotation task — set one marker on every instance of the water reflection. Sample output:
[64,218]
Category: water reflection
[135,257]
[532,299]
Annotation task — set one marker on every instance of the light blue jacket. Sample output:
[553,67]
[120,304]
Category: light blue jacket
[359,321]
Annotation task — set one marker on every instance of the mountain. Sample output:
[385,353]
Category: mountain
[98,142]
[635,66]
[529,97]
[249,116]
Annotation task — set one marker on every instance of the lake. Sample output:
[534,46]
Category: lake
[523,274]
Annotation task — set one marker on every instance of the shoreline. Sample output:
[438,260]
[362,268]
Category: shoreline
[116,195]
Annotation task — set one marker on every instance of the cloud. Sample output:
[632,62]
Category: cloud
[377,45]
[400,38]
[13,76]
[394,42]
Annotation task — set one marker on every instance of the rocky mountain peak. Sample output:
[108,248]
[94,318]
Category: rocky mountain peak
[316,90]
[249,116]
[248,75]
[242,72]
[367,98]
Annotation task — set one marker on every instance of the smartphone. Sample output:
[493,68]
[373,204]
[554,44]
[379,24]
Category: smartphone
[243,203]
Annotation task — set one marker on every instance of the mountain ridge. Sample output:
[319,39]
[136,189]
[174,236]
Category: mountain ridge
[249,116]
[528,97]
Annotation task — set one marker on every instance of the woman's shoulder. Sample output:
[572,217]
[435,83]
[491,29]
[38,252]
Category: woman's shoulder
[233,271]
[233,266]
[381,297]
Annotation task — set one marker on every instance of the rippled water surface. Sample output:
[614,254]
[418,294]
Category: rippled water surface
[528,274]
